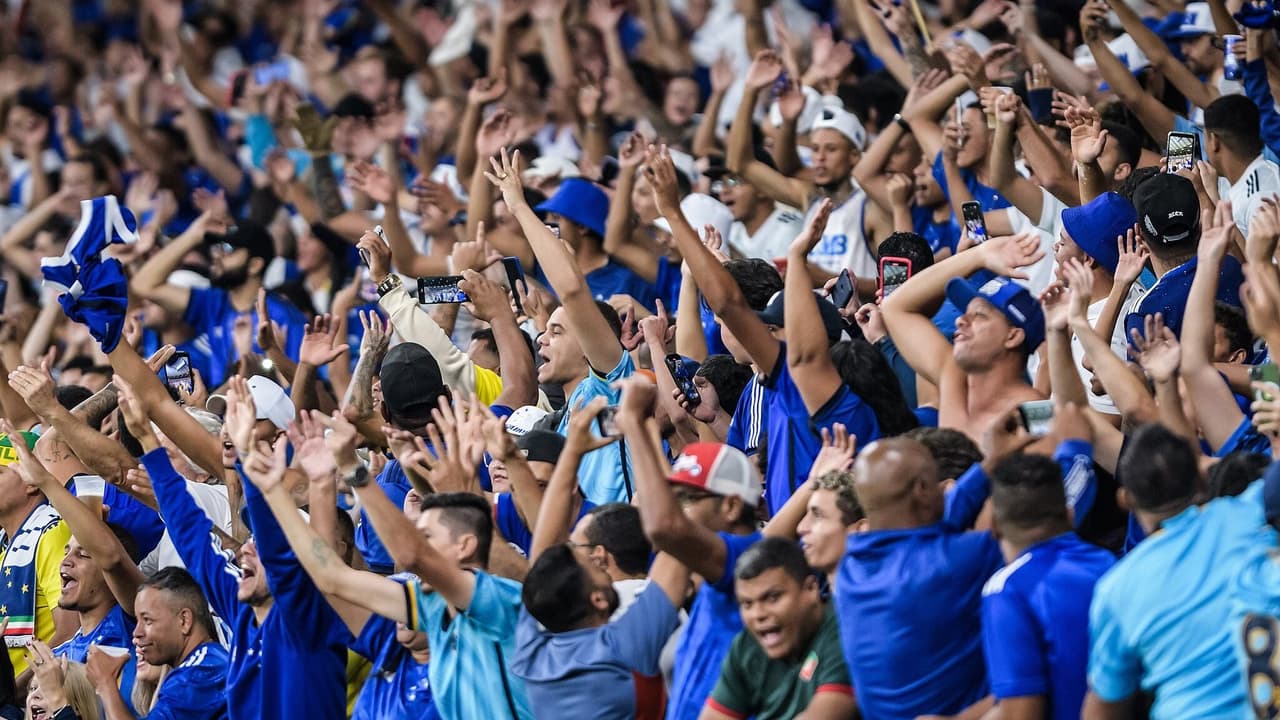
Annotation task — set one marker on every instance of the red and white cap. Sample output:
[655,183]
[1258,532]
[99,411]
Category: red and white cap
[718,469]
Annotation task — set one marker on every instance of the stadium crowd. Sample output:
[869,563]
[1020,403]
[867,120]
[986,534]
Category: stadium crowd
[697,359]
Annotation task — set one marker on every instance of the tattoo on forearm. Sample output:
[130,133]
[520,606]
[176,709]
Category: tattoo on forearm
[328,195]
[362,386]
[321,551]
[96,409]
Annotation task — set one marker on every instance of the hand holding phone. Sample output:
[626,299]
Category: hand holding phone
[894,271]
[177,372]
[440,290]
[844,290]
[974,224]
[1036,416]
[684,380]
[1182,150]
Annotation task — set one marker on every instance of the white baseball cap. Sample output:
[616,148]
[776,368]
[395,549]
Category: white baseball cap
[701,210]
[269,399]
[718,469]
[524,419]
[843,122]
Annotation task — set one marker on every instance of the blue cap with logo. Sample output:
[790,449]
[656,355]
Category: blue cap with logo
[1010,298]
[1096,225]
[579,201]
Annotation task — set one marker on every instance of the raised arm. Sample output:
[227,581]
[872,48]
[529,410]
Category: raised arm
[1197,92]
[717,285]
[908,311]
[1216,408]
[1024,194]
[120,572]
[808,349]
[330,575]
[555,512]
[491,303]
[619,229]
[585,320]
[151,280]
[740,157]
[1154,116]
[665,523]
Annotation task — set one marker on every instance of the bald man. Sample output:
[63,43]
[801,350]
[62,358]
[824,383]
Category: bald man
[909,590]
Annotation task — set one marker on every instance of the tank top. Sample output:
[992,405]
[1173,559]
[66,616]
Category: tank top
[844,241]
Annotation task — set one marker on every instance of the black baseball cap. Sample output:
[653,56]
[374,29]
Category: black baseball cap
[773,314]
[1168,209]
[248,235]
[411,383]
[541,446]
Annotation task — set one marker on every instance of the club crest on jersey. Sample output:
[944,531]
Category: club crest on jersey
[809,667]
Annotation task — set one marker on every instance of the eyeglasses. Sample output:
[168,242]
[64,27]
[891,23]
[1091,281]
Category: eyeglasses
[223,248]
[724,184]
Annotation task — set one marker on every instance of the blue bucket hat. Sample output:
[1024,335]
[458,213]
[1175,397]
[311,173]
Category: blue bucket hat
[1097,224]
[579,201]
[1010,298]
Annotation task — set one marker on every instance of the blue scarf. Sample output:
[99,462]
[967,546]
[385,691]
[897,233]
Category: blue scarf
[92,290]
[18,582]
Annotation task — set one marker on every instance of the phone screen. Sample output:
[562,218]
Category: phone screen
[608,419]
[1037,416]
[843,291]
[515,280]
[1266,372]
[684,380]
[177,372]
[1181,151]
[266,74]
[892,275]
[440,290]
[974,224]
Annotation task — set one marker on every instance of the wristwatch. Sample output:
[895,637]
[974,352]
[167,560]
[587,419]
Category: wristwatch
[357,478]
[391,282]
[902,123]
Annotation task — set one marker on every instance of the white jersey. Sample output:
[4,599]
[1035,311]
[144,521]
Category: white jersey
[1260,180]
[844,242]
[772,238]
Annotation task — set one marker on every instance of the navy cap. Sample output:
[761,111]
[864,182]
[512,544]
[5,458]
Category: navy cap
[1168,209]
[1010,298]
[773,314]
[1096,225]
[579,201]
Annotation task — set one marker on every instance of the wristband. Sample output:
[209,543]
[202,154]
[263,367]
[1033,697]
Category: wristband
[390,283]
[902,123]
[357,478]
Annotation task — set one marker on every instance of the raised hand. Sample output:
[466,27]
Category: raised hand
[488,89]
[966,61]
[1007,106]
[1004,255]
[316,132]
[1216,235]
[631,154]
[50,672]
[475,254]
[1080,279]
[488,299]
[495,133]
[1056,300]
[376,254]
[320,341]
[791,102]
[135,413]
[660,171]
[1133,258]
[265,464]
[722,75]
[1088,139]
[33,472]
[241,415]
[103,669]
[36,386]
[341,439]
[580,438]
[371,180]
[1158,352]
[1004,437]
[765,69]
[310,446]
[657,329]
[269,333]
[506,177]
[377,335]
[837,453]
[811,235]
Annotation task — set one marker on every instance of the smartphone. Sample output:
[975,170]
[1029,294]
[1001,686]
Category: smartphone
[236,90]
[515,280]
[368,291]
[1182,151]
[177,372]
[894,271]
[277,71]
[1037,416]
[780,85]
[844,289]
[608,419]
[974,224]
[684,380]
[4,293]
[440,290]
[1266,372]
[382,235]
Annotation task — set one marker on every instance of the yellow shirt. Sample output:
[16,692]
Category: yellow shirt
[50,551]
[357,671]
